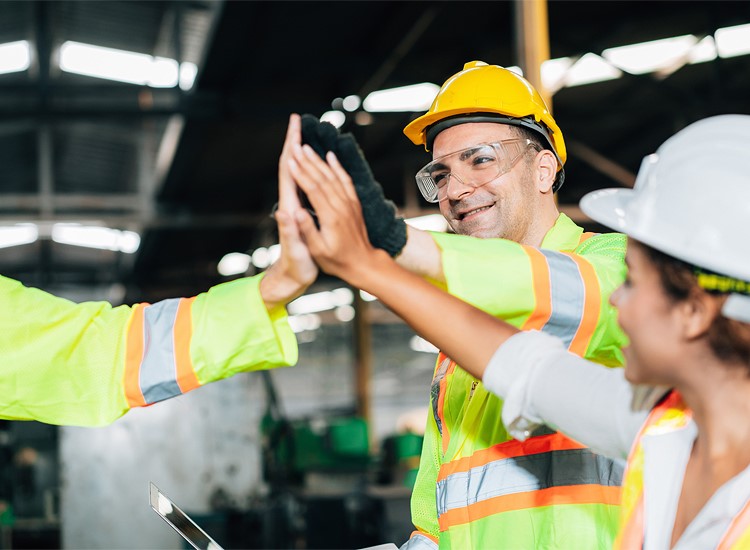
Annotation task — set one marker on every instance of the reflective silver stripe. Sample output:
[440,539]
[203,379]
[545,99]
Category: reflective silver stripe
[568,294]
[520,474]
[158,373]
[435,390]
[419,542]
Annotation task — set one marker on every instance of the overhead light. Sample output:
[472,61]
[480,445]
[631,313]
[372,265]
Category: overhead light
[351,103]
[430,222]
[300,323]
[733,41]
[344,313]
[234,263]
[263,257]
[321,301]
[16,235]
[703,51]
[89,236]
[416,97]
[124,66]
[188,72]
[554,72]
[648,57]
[589,69]
[337,118]
[15,56]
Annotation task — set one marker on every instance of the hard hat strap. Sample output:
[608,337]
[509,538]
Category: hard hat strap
[527,122]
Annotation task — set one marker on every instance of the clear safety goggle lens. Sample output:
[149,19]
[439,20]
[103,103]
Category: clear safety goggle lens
[474,166]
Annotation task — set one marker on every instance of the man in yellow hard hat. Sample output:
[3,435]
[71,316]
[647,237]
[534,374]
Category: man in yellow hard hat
[497,158]
[89,363]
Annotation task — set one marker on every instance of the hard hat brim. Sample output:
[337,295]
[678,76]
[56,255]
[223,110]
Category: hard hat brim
[609,208]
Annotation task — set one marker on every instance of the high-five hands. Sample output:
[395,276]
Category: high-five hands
[385,228]
[340,246]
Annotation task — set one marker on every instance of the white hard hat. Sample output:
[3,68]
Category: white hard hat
[691,200]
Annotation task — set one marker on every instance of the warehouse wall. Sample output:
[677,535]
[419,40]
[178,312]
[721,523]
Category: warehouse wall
[206,444]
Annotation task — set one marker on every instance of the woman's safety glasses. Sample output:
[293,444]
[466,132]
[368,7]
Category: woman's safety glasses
[474,166]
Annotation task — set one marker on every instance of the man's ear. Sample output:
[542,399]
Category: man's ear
[546,170]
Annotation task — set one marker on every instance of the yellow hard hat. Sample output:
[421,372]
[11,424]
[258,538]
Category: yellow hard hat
[488,93]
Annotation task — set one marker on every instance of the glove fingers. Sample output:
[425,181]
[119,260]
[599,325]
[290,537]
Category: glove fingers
[352,158]
[321,136]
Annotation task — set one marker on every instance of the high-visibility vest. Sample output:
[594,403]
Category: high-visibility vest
[494,492]
[563,492]
[670,414]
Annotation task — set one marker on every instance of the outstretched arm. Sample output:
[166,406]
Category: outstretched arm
[341,248]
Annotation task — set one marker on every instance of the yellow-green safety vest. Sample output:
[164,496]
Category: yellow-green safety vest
[478,488]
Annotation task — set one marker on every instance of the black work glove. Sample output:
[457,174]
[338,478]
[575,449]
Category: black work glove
[384,229]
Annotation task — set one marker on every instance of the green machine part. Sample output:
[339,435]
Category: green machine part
[336,444]
[401,453]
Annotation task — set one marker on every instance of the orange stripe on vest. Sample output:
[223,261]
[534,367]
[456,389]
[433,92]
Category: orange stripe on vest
[510,449]
[570,494]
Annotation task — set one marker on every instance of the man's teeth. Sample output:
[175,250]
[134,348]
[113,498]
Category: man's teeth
[469,213]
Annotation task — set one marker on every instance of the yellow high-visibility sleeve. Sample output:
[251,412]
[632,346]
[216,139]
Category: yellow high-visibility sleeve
[87,364]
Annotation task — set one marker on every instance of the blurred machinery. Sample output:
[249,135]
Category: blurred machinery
[324,485]
[326,488]
[29,485]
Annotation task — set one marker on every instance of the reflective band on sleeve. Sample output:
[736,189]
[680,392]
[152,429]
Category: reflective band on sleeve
[133,358]
[158,364]
[183,332]
[592,304]
[158,378]
[567,295]
[541,281]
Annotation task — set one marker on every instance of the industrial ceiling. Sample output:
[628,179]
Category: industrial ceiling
[194,171]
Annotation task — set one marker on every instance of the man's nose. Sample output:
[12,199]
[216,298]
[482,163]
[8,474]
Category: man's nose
[456,189]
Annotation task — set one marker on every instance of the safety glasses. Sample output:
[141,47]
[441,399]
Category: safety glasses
[474,166]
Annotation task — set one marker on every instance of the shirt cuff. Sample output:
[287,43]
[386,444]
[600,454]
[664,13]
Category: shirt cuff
[510,374]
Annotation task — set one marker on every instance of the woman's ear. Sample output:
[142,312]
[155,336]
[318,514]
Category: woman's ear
[546,170]
[699,311]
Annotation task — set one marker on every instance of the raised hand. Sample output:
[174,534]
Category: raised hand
[385,228]
[340,246]
[295,269]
